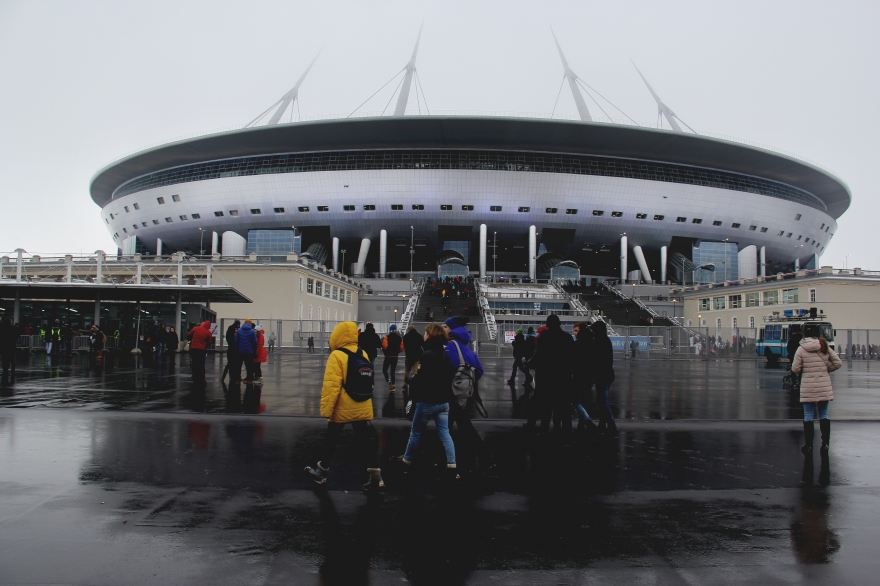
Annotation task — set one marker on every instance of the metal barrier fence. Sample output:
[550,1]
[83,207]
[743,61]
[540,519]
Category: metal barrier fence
[79,343]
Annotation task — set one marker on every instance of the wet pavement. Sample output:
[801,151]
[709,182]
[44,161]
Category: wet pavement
[125,475]
[644,389]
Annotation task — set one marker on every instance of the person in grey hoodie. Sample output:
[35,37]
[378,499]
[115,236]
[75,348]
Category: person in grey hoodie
[814,361]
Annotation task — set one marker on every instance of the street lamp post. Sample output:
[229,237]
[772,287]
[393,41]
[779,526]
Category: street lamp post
[201,242]
[412,250]
[494,256]
[343,260]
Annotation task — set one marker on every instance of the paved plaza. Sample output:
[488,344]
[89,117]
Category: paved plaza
[125,475]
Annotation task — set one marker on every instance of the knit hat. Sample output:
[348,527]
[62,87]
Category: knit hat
[393,328]
[553,321]
[236,323]
[249,321]
[518,330]
[456,321]
[259,328]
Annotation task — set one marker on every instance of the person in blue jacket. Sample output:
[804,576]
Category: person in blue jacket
[246,344]
[470,445]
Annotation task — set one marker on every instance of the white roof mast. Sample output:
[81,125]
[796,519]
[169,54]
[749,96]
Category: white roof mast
[286,100]
[662,109]
[403,97]
[572,82]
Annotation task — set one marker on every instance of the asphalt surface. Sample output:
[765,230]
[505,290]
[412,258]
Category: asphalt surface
[123,475]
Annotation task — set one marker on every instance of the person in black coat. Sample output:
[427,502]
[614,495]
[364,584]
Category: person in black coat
[412,349]
[173,341]
[552,362]
[582,376]
[602,367]
[233,362]
[8,341]
[369,342]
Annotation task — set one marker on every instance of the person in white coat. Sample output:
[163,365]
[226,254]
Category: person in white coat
[814,361]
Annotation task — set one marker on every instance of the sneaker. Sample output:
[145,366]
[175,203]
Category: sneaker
[318,473]
[258,381]
[390,386]
[375,483]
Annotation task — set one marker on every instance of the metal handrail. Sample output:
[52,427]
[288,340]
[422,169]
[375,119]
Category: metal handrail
[488,316]
[413,304]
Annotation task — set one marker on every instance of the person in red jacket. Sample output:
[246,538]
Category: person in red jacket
[260,355]
[199,339]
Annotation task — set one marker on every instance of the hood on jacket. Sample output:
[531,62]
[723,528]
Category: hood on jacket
[245,327]
[460,334]
[811,345]
[344,334]
[206,324]
[370,329]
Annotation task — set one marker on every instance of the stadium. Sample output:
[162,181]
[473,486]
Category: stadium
[389,196]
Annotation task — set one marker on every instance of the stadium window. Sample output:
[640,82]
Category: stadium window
[111,216]
[218,214]
[303,208]
[137,207]
[716,223]
[822,227]
[797,217]
[641,216]
[753,227]
[826,229]
[550,211]
[616,214]
[681,219]
[418,207]
[183,217]
[788,235]
[598,212]
[323,208]
[800,236]
[763,230]
[278,210]
[697,221]
[467,208]
[781,233]
[524,209]
[161,200]
[168,220]
[124,230]
[256,211]
[196,216]
[571,212]
[494,208]
[445,207]
[348,208]
[734,225]
[396,207]
[144,224]
[134,226]
[126,209]
[175,198]
[369,207]
[659,217]
[233,213]
[155,222]
[107,221]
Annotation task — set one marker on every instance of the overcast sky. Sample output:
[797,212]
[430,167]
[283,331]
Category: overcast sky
[83,83]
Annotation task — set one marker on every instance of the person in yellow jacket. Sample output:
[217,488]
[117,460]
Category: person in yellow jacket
[339,408]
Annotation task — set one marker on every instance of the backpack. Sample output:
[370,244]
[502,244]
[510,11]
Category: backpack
[463,381]
[359,376]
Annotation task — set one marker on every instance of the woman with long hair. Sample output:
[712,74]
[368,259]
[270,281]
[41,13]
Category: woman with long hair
[814,361]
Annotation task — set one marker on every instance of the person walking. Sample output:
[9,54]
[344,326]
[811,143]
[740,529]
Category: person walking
[431,390]
[369,342]
[517,345]
[344,400]
[51,337]
[471,445]
[233,363]
[814,361]
[310,344]
[246,345]
[260,355]
[582,375]
[412,348]
[529,340]
[199,339]
[552,362]
[272,340]
[173,342]
[8,341]
[602,367]
[392,346]
[161,341]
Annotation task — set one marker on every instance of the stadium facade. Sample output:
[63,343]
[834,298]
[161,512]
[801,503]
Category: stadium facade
[391,195]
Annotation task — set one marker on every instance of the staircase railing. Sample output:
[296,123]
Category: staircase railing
[410,310]
[639,303]
[573,301]
[488,314]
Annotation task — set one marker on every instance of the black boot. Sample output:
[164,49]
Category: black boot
[809,432]
[825,430]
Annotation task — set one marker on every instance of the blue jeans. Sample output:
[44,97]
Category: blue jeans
[582,412]
[425,413]
[606,417]
[812,409]
[160,350]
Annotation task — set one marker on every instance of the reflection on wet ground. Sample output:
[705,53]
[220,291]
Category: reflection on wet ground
[644,389]
[103,497]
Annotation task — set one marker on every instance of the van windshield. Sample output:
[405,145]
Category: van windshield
[827,332]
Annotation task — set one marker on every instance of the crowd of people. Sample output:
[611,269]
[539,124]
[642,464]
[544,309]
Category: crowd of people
[245,347]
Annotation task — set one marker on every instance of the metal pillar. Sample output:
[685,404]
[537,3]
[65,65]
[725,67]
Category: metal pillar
[158,247]
[208,268]
[533,250]
[483,237]
[19,262]
[3,260]
[180,269]
[623,259]
[663,265]
[99,274]
[643,265]
[178,310]
[215,243]
[140,270]
[362,257]
[69,260]
[797,264]
[383,252]
[97,320]
[335,254]
[16,310]
[763,265]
